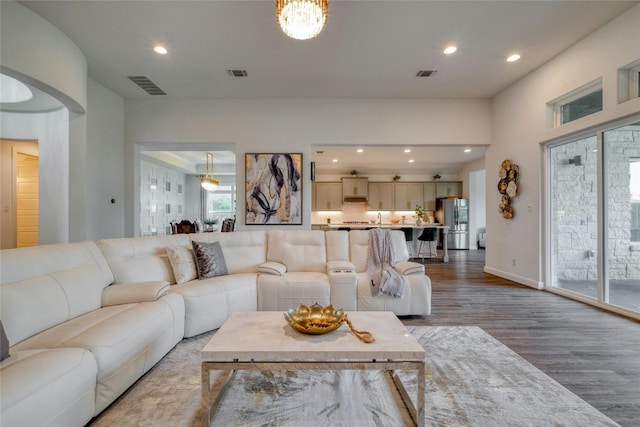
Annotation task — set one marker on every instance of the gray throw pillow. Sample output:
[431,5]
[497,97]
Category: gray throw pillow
[209,259]
[4,345]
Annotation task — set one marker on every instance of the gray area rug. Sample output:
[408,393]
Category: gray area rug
[471,380]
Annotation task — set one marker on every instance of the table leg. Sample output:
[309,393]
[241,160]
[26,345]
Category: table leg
[416,411]
[445,257]
[210,408]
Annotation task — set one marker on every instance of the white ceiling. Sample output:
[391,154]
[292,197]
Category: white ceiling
[393,159]
[368,49]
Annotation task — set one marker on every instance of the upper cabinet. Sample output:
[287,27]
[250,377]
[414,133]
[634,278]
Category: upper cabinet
[429,196]
[449,189]
[408,195]
[355,190]
[381,196]
[327,196]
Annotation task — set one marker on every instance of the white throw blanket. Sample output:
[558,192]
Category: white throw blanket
[380,265]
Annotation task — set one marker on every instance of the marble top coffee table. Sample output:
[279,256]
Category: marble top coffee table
[264,341]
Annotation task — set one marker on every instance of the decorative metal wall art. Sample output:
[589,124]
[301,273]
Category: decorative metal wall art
[507,187]
[273,189]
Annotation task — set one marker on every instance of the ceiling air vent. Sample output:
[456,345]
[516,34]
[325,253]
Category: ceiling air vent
[425,73]
[147,85]
[237,73]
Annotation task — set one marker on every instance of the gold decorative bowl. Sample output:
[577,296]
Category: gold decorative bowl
[315,320]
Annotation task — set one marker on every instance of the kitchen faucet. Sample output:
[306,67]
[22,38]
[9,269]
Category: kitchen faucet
[379,218]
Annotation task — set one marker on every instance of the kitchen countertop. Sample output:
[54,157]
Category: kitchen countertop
[386,225]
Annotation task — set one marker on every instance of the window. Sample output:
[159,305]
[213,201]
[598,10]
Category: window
[629,82]
[220,204]
[581,107]
[634,82]
[574,105]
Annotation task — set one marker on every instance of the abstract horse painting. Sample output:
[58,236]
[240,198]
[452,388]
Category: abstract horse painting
[273,188]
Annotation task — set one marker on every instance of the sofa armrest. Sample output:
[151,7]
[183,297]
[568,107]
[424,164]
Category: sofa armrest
[408,268]
[272,267]
[340,266]
[134,292]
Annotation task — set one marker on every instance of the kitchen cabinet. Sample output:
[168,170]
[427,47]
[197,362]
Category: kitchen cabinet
[381,196]
[449,189]
[408,195]
[327,196]
[429,196]
[355,187]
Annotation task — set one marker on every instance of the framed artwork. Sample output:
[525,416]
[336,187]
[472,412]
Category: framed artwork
[273,188]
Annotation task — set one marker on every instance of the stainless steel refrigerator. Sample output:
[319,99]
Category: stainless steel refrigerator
[455,214]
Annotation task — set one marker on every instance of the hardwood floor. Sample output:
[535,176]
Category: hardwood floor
[593,353]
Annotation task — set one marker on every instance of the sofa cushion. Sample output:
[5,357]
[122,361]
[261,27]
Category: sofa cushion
[281,293]
[299,250]
[67,279]
[209,259]
[243,251]
[134,292]
[182,263]
[126,341]
[53,387]
[209,302]
[141,259]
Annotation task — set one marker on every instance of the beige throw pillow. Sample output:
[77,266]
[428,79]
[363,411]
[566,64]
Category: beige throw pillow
[182,263]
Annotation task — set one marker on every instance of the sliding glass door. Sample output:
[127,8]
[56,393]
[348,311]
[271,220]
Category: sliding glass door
[622,217]
[574,216]
[594,217]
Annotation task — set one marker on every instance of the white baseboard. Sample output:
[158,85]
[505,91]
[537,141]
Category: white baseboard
[514,278]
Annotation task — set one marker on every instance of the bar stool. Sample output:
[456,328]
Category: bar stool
[428,235]
[408,236]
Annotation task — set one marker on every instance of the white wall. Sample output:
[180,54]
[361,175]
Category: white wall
[36,52]
[52,132]
[519,125]
[104,154]
[294,125]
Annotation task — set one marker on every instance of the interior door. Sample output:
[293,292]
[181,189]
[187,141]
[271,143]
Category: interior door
[26,200]
[12,189]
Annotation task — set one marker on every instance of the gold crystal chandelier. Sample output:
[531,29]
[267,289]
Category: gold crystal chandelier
[302,19]
[208,182]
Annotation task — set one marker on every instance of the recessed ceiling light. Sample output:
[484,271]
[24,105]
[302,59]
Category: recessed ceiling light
[467,150]
[411,160]
[359,150]
[161,50]
[513,58]
[449,50]
[407,150]
[335,160]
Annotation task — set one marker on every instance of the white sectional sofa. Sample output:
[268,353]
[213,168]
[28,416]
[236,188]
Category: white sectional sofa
[84,321]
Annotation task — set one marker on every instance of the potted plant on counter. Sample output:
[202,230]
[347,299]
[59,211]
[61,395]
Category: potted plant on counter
[420,212]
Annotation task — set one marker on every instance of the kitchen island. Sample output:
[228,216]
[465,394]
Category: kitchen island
[416,229]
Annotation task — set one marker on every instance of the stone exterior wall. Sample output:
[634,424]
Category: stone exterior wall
[575,210]
[575,202]
[624,256]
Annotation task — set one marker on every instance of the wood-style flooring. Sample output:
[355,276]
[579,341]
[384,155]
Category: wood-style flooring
[593,353]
